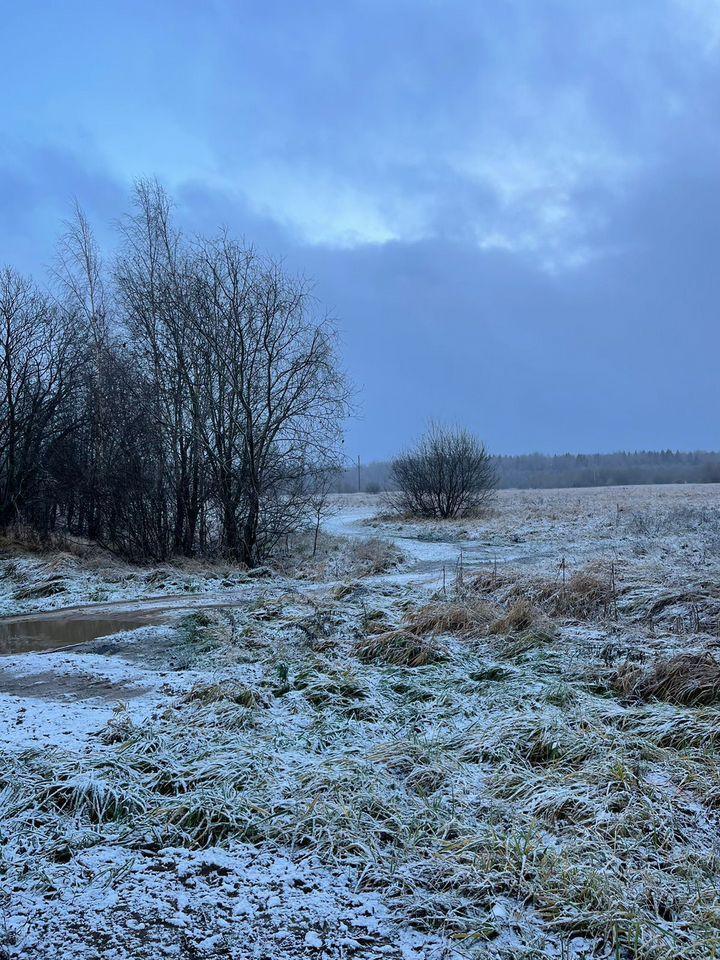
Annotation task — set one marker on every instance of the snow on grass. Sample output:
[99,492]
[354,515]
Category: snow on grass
[294,780]
[506,802]
[55,581]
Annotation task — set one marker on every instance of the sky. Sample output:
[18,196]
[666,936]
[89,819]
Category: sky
[512,207]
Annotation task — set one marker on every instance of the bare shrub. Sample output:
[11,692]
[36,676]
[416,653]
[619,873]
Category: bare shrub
[399,648]
[687,678]
[23,538]
[448,474]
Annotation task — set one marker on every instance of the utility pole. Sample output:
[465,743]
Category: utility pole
[358,473]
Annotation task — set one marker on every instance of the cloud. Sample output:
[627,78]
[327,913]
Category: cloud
[39,186]
[511,206]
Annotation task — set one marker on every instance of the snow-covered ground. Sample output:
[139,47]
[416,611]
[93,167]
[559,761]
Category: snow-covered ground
[417,745]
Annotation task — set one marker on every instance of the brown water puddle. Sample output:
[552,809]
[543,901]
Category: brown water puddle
[34,634]
[66,627]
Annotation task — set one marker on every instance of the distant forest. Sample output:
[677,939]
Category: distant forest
[538,470]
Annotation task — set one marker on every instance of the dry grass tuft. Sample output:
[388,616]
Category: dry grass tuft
[91,796]
[374,556]
[520,617]
[346,590]
[461,617]
[376,621]
[488,581]
[584,595]
[690,679]
[401,648]
[206,693]
[50,588]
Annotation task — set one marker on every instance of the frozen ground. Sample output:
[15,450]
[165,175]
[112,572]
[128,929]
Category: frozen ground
[495,738]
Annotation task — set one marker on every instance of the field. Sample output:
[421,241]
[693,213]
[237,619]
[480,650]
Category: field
[492,738]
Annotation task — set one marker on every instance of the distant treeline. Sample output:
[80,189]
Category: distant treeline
[538,470]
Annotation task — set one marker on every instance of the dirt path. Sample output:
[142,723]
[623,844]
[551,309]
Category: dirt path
[427,559]
[426,552]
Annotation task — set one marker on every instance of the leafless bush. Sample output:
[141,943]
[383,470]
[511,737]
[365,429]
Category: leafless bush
[26,538]
[448,474]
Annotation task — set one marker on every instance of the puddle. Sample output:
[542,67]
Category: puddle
[80,686]
[35,632]
[33,635]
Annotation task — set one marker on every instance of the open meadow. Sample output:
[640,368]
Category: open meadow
[484,738]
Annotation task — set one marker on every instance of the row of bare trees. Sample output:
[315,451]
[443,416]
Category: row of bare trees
[183,399]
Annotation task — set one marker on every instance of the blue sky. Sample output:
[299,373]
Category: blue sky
[511,206]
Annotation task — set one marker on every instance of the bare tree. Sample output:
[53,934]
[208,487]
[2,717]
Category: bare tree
[39,366]
[80,276]
[153,276]
[321,488]
[277,396]
[447,474]
[136,511]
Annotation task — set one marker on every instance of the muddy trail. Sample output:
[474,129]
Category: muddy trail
[70,626]
[425,561]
